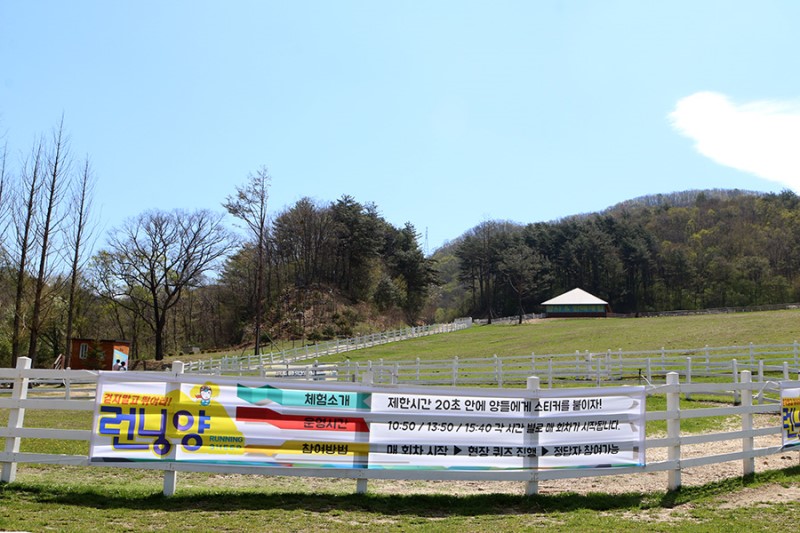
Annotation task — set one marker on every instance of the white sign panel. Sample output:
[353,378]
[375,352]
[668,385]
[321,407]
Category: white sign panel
[223,420]
[467,432]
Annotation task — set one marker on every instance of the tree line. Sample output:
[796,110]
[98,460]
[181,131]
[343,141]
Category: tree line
[173,280]
[169,280]
[688,250]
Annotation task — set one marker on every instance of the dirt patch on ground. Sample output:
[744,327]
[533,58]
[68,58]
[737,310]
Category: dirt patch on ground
[637,483]
[762,496]
[646,482]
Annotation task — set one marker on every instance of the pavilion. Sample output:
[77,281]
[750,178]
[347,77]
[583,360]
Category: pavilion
[576,303]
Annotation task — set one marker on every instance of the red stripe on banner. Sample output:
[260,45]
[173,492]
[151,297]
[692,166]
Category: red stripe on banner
[300,422]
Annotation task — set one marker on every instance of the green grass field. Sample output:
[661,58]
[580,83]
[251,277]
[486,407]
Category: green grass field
[564,336]
[560,336]
[56,498]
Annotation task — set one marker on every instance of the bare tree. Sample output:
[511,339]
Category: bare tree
[5,204]
[249,205]
[153,258]
[23,217]
[57,167]
[79,231]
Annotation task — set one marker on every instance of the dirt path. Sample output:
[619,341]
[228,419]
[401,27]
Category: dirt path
[644,482]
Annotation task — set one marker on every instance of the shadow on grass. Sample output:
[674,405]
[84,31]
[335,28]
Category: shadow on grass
[433,506]
[417,505]
[727,486]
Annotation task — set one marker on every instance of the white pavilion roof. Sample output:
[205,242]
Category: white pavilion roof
[575,297]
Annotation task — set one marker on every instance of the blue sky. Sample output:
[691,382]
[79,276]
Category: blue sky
[444,114]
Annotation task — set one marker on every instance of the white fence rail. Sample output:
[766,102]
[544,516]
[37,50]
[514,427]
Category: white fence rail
[252,362]
[765,362]
[743,437]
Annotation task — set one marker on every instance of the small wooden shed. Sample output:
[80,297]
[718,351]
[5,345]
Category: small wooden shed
[97,354]
[576,303]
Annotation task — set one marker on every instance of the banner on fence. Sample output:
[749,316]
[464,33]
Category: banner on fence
[790,411]
[314,425]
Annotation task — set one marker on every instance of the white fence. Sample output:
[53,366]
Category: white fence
[743,437]
[251,362]
[765,362]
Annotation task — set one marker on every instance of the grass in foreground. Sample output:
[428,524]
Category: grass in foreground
[51,499]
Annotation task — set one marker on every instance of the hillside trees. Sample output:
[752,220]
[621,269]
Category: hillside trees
[479,252]
[152,259]
[524,270]
[415,274]
[249,205]
[331,263]
[304,243]
[322,254]
[690,250]
[359,235]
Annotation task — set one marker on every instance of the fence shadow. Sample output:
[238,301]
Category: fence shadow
[425,505]
[422,505]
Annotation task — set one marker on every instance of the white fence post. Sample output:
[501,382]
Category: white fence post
[674,432]
[588,358]
[598,368]
[498,371]
[748,463]
[455,371]
[532,440]
[16,418]
[688,376]
[737,397]
[171,475]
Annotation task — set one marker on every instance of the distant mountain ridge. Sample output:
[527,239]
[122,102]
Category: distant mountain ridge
[681,198]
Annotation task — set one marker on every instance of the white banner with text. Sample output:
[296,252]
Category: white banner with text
[330,425]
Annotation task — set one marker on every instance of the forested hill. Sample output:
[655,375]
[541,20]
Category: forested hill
[685,250]
[680,199]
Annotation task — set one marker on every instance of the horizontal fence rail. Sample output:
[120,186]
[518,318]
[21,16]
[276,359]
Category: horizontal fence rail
[74,391]
[765,362]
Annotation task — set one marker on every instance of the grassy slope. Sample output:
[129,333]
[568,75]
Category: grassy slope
[560,336]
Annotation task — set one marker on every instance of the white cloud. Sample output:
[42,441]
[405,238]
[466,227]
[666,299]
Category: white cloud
[761,137]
